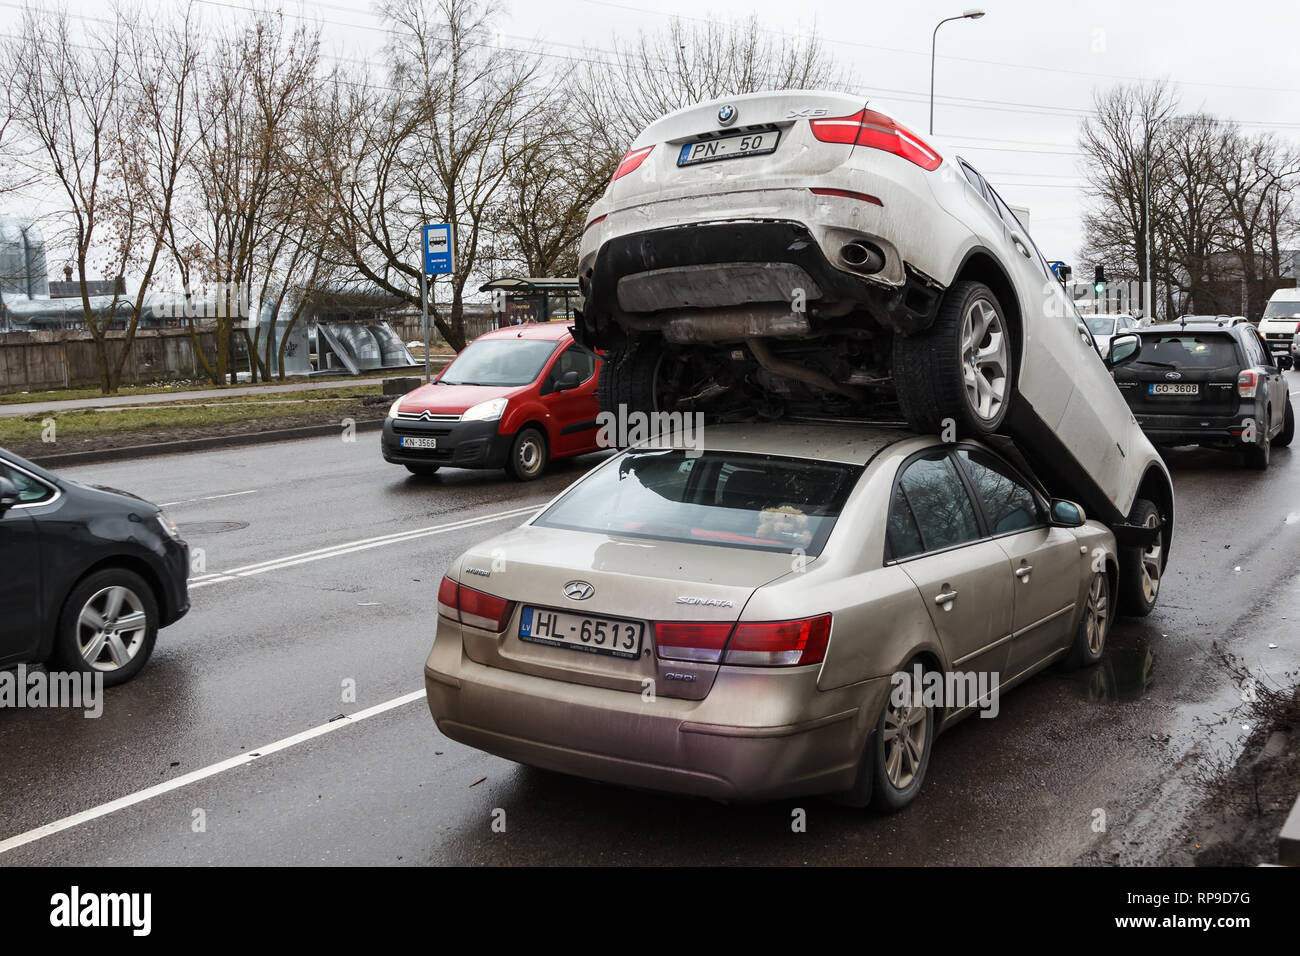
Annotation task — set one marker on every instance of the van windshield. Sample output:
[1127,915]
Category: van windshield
[1282,310]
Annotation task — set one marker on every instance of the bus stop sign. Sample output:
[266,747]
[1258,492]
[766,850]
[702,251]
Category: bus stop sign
[437,250]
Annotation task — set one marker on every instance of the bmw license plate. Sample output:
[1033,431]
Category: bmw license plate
[1164,388]
[729,147]
[419,442]
[596,635]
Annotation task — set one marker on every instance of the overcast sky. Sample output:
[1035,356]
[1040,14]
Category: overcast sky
[1010,88]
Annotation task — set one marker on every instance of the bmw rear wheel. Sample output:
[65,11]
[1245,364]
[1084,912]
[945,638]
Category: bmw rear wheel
[1140,567]
[961,368]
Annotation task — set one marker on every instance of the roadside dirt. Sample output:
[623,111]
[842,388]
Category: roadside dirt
[368,408]
[1247,801]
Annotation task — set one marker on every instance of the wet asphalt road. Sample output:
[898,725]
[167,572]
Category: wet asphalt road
[264,657]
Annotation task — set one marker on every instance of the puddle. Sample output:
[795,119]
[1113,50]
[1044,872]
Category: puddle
[1125,673]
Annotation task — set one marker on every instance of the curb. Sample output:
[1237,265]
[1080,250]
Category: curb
[196,444]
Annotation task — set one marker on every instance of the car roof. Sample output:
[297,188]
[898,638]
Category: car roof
[553,331]
[848,442]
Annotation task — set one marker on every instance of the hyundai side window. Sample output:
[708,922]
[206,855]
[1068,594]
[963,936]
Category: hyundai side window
[940,506]
[1009,504]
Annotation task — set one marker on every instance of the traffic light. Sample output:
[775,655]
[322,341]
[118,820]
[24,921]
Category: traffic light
[1099,280]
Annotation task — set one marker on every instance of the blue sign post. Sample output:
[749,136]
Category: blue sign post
[437,262]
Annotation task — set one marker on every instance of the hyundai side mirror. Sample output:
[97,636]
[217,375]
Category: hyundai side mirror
[1124,348]
[1066,514]
[8,494]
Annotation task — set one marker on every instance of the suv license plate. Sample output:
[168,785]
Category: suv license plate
[729,147]
[1164,389]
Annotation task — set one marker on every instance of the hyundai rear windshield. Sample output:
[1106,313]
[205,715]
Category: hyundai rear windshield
[499,362]
[759,502]
[1189,349]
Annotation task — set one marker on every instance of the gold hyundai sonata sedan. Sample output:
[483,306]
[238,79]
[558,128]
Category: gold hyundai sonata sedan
[791,609]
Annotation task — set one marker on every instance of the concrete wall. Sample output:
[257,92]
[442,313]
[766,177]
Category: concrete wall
[39,360]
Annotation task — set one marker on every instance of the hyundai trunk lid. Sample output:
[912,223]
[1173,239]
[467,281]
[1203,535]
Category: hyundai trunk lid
[634,581]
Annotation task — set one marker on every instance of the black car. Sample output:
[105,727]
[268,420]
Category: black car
[1210,383]
[89,574]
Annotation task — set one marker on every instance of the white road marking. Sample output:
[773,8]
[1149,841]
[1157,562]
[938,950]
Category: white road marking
[351,547]
[185,501]
[184,780]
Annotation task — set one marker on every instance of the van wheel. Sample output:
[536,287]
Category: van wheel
[1284,437]
[1140,567]
[108,626]
[528,455]
[960,369]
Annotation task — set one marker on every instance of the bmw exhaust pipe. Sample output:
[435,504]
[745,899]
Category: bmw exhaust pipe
[862,257]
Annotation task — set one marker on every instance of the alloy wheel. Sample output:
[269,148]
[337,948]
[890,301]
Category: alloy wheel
[905,733]
[984,359]
[1151,560]
[111,628]
[1097,613]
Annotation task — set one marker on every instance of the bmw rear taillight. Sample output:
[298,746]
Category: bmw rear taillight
[1247,382]
[631,160]
[845,194]
[468,606]
[692,640]
[780,643]
[877,131]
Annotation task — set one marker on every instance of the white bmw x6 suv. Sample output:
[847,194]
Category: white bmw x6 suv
[802,252]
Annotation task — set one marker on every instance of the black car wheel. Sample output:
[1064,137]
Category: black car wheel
[1284,437]
[1259,454]
[959,369]
[108,625]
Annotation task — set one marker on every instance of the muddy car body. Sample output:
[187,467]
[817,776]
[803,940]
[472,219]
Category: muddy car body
[804,253]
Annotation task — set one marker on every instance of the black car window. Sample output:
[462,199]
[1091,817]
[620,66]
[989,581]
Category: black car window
[1255,348]
[1009,504]
[1190,349]
[940,506]
[574,359]
[30,490]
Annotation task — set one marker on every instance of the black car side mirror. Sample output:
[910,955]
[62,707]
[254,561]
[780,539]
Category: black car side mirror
[1285,362]
[8,494]
[567,381]
[1124,348]
[1066,514]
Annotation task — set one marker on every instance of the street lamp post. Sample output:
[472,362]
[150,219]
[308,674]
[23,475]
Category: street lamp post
[968,15]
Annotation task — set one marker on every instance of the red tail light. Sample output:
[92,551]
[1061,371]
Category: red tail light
[780,643]
[631,160]
[594,222]
[459,603]
[845,194]
[1247,382]
[691,640]
[878,131]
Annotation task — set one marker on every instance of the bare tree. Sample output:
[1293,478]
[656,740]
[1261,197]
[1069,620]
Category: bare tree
[433,143]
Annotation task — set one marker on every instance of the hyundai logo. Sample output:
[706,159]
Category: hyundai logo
[1173,376]
[727,115]
[578,590]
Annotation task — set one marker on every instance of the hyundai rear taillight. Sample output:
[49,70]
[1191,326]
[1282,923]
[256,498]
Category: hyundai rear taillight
[753,644]
[1247,382]
[780,643]
[691,640]
[877,131]
[631,160]
[486,611]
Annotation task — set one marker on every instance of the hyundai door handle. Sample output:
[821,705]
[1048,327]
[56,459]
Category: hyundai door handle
[1023,573]
[945,597]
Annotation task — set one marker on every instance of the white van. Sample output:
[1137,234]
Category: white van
[1281,319]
